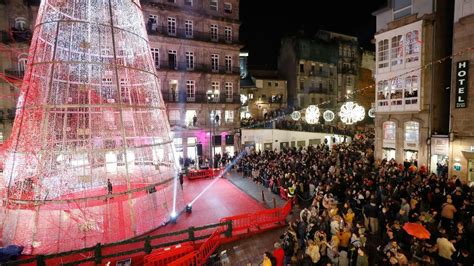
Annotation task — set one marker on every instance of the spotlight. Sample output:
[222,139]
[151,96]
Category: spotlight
[173,217]
[189,208]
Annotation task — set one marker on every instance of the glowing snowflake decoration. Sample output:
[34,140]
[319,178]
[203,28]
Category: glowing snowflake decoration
[328,116]
[312,114]
[351,113]
[296,115]
[371,113]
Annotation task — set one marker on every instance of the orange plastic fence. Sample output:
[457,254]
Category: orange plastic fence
[195,174]
[163,256]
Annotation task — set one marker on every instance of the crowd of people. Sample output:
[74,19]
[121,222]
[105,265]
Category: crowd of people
[355,210]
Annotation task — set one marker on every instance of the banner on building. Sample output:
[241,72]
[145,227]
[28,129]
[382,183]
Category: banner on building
[462,70]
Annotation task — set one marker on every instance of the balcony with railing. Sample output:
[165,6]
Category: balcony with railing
[321,90]
[199,98]
[190,35]
[183,66]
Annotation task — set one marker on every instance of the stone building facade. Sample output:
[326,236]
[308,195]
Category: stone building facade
[266,94]
[17,18]
[461,158]
[411,98]
[320,69]
[195,45]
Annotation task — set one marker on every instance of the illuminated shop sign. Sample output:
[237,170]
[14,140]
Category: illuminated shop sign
[462,69]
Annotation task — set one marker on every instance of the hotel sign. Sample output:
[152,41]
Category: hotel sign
[462,69]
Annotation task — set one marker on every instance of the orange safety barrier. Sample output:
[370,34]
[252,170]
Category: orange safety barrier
[164,256]
[195,174]
[246,222]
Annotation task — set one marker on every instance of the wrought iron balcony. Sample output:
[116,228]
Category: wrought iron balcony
[183,66]
[152,29]
[199,98]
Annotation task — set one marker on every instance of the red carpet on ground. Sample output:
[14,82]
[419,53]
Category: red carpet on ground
[222,199]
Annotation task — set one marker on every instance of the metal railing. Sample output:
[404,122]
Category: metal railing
[183,66]
[182,33]
[199,98]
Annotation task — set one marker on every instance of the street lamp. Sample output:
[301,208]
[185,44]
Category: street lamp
[211,97]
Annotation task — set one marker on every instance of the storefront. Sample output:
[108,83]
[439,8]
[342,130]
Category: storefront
[412,141]
[439,152]
[389,143]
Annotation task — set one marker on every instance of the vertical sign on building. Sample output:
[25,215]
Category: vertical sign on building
[462,69]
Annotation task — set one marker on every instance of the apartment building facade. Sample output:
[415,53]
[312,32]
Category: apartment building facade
[195,47]
[321,69]
[411,106]
[17,18]
[461,150]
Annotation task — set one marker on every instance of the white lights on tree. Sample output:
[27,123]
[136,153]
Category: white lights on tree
[371,113]
[328,116]
[351,113]
[296,115]
[312,114]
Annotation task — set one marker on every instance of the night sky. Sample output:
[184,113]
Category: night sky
[265,22]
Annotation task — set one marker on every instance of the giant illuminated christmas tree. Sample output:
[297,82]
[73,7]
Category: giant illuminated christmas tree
[90,111]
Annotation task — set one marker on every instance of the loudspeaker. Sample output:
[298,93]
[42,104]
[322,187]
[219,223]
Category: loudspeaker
[199,149]
[229,140]
[218,140]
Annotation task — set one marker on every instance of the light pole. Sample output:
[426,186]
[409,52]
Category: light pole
[210,98]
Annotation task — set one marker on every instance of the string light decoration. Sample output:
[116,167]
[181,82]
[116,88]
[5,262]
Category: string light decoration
[371,113]
[328,116]
[89,111]
[296,115]
[351,113]
[312,114]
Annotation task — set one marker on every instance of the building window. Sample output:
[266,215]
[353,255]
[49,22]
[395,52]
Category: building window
[216,88]
[349,82]
[214,32]
[389,131]
[22,62]
[396,56]
[213,5]
[276,84]
[174,115]
[229,116]
[189,60]
[396,91]
[382,93]
[301,68]
[228,63]
[228,34]
[412,46]
[412,132]
[188,28]
[228,8]
[301,85]
[152,23]
[229,89]
[172,1]
[172,63]
[269,84]
[20,24]
[155,54]
[411,90]
[188,2]
[172,26]
[401,8]
[190,91]
[215,62]
[382,53]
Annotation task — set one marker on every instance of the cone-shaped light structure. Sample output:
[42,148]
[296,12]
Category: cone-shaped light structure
[90,111]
